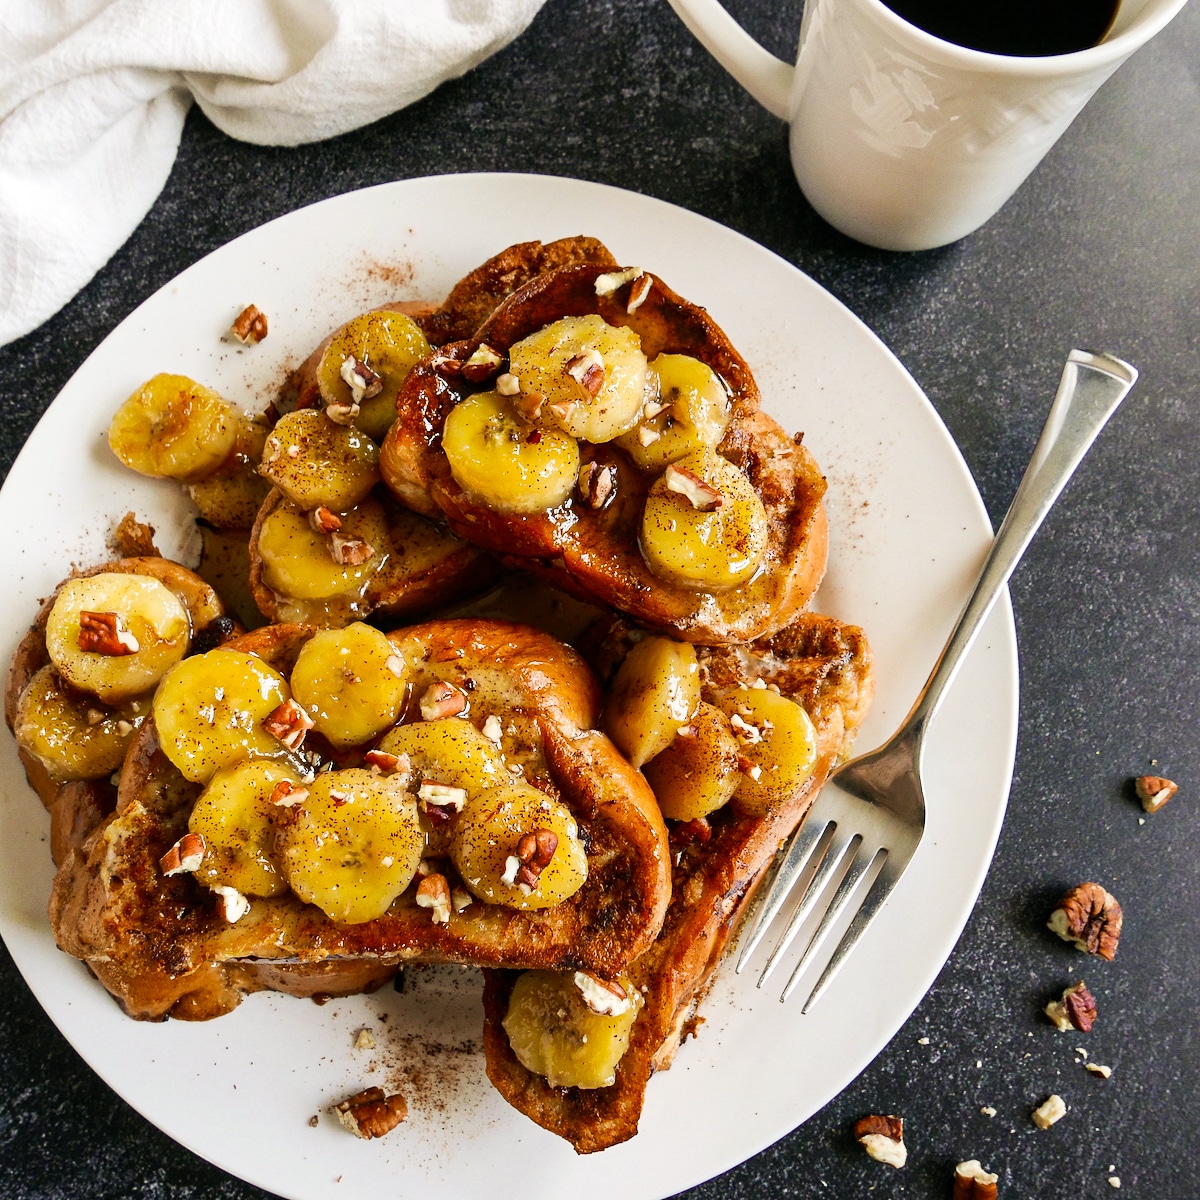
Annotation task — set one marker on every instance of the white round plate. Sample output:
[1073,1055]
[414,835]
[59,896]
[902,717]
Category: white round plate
[908,533]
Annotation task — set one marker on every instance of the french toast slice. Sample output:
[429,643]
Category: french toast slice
[164,944]
[824,665]
[589,541]
[76,798]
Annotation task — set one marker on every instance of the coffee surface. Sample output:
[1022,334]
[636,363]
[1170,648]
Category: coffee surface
[1023,28]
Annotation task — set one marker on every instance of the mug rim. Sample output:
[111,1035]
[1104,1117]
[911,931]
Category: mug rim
[1155,15]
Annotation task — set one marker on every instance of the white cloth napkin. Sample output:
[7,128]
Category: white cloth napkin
[93,94]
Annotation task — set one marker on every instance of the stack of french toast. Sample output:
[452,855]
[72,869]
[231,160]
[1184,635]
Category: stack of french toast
[499,653]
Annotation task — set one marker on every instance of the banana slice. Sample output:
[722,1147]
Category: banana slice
[654,694]
[237,817]
[389,344]
[700,770]
[508,464]
[449,750]
[687,409]
[316,462]
[554,1033]
[487,846]
[231,496]
[351,682]
[704,526]
[209,711]
[592,375]
[116,635]
[354,846]
[173,427]
[73,736]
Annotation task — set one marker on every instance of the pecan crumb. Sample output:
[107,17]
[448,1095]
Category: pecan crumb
[371,1113]
[597,484]
[1154,791]
[972,1182]
[133,538]
[249,326]
[349,552]
[1046,1114]
[1076,1009]
[602,996]
[883,1138]
[699,493]
[443,699]
[1090,918]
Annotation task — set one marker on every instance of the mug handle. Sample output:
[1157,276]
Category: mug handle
[767,78]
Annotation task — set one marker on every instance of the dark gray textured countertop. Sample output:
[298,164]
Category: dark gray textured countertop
[1101,247]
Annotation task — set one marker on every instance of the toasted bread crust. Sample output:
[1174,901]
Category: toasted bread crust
[159,945]
[76,808]
[827,667]
[595,554]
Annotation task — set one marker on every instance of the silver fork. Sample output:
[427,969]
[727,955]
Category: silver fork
[867,821]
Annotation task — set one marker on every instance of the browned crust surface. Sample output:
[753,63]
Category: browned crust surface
[75,808]
[827,667]
[408,586]
[159,945]
[596,554]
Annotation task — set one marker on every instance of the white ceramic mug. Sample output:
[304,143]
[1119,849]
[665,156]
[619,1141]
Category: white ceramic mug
[900,139]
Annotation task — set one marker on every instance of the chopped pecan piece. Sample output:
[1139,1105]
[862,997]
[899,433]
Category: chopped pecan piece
[597,484]
[639,292]
[1090,918]
[440,802]
[702,495]
[231,904]
[1098,1069]
[534,852]
[249,326]
[507,384]
[528,405]
[587,369]
[371,1113]
[883,1138]
[610,281]
[133,538]
[324,520]
[1154,791]
[602,996]
[349,552]
[433,892]
[972,1182]
[385,763]
[482,363]
[1049,1112]
[1076,1009]
[185,856]
[105,633]
[288,723]
[443,699]
[286,794]
[360,379]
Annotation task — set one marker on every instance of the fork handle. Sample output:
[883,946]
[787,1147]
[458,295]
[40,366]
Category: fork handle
[1091,388]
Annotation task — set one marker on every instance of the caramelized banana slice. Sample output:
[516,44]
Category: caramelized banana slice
[314,461]
[777,737]
[237,815]
[509,465]
[351,682]
[388,344]
[654,694]
[699,771]
[354,846]
[303,563]
[687,409]
[209,711]
[116,635]
[497,849]
[554,1033]
[72,735]
[449,750]
[592,375]
[173,427]
[704,526]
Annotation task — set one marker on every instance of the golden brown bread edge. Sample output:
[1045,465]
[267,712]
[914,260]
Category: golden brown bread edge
[396,593]
[77,806]
[159,945]
[595,554]
[827,667]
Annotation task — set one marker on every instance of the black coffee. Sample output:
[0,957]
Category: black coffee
[1025,28]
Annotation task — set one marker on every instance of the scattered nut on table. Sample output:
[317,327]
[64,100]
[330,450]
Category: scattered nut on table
[371,1113]
[1090,918]
[1051,1111]
[249,326]
[1154,791]
[1076,1009]
[972,1182]
[883,1138]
